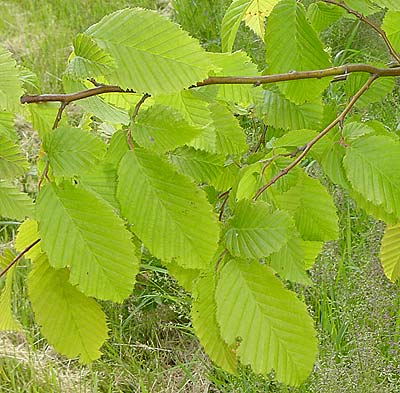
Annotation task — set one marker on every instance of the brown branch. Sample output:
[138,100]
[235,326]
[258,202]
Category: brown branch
[369,23]
[59,114]
[134,115]
[311,143]
[18,257]
[221,256]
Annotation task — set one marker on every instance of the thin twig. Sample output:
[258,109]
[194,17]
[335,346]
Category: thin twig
[222,208]
[59,114]
[310,144]
[261,141]
[369,23]
[44,175]
[134,115]
[18,257]
[221,256]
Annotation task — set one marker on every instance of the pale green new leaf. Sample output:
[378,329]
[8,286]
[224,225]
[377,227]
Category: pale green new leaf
[152,54]
[186,277]
[162,206]
[322,15]
[393,5]
[89,60]
[71,151]
[28,233]
[43,116]
[255,232]
[7,319]
[205,325]
[235,64]
[267,322]
[372,165]
[311,251]
[12,162]
[391,26]
[10,86]
[13,202]
[161,128]
[288,262]
[255,15]
[230,137]
[279,112]
[7,126]
[72,323]
[200,165]
[80,231]
[312,208]
[390,252]
[365,7]
[293,44]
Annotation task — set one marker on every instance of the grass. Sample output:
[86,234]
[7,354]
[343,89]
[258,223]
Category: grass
[152,347]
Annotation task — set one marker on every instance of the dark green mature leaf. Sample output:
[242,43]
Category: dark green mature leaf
[255,232]
[267,322]
[163,206]
[7,318]
[71,151]
[152,54]
[292,44]
[14,203]
[12,162]
[73,323]
[390,252]
[80,231]
[206,327]
[161,128]
[372,165]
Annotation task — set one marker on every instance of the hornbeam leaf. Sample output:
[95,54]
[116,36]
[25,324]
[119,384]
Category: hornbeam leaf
[230,138]
[390,252]
[312,208]
[365,7]
[255,232]
[161,128]
[391,26]
[200,165]
[162,206]
[152,54]
[43,115]
[7,126]
[10,86]
[267,322]
[73,323]
[322,15]
[311,251]
[89,60]
[205,325]
[372,165]
[293,44]
[80,231]
[12,162]
[255,15]
[7,319]
[14,203]
[279,112]
[28,232]
[186,277]
[72,151]
[392,5]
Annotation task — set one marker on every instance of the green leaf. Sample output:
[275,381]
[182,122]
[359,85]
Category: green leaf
[252,12]
[201,166]
[391,26]
[288,262]
[268,323]
[255,232]
[72,151]
[293,44]
[279,112]
[392,5]
[162,206]
[12,162]
[311,251]
[365,7]
[390,252]
[7,126]
[152,54]
[312,208]
[7,319]
[186,277]
[89,60]
[372,165]
[10,86]
[73,323]
[43,116]
[322,15]
[14,203]
[28,232]
[205,325]
[230,138]
[235,64]
[161,128]
[80,231]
